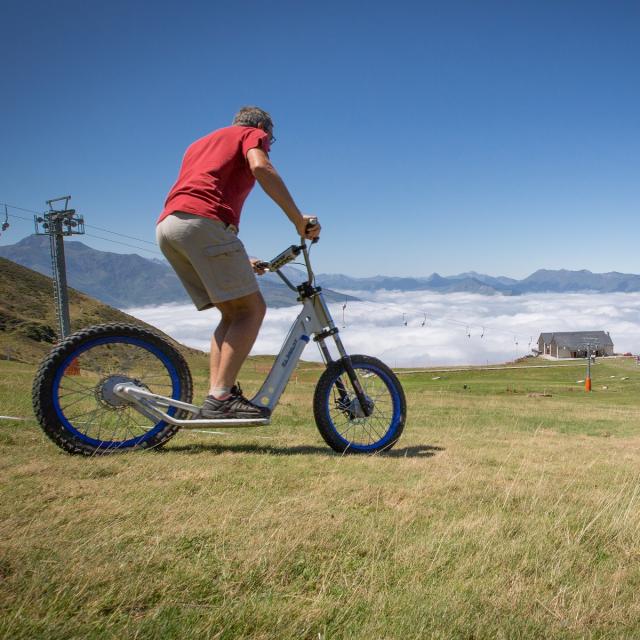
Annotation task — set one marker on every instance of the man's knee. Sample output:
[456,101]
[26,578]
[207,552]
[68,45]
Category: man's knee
[258,307]
[251,306]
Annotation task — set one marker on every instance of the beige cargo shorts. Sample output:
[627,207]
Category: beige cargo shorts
[209,259]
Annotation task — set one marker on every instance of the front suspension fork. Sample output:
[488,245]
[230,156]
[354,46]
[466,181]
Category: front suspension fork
[367,410]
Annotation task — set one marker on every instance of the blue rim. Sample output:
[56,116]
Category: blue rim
[132,442]
[395,418]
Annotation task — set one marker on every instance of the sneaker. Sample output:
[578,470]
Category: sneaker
[235,406]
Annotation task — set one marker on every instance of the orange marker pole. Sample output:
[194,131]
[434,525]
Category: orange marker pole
[587,384]
[74,368]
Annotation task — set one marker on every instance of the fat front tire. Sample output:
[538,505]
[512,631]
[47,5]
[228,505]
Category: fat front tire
[343,424]
[73,397]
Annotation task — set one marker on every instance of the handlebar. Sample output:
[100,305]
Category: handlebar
[291,253]
[288,255]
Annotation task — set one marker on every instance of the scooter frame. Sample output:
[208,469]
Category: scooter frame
[314,320]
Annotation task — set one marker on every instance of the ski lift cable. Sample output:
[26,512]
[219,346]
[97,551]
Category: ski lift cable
[390,306]
[372,304]
[124,244]
[88,226]
[13,206]
[122,235]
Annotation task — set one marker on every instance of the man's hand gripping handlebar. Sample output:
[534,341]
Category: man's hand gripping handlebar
[312,229]
[312,232]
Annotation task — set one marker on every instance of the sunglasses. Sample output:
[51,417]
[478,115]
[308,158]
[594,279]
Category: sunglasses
[272,138]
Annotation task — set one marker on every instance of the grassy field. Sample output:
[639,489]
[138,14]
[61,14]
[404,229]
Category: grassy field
[509,509]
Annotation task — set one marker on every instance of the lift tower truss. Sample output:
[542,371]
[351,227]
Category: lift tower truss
[57,223]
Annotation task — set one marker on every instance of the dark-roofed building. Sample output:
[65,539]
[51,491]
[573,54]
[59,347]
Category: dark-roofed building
[573,344]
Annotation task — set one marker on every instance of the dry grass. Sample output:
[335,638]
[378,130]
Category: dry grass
[498,516]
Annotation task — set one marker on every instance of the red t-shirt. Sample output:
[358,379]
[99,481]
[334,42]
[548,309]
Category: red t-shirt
[215,179]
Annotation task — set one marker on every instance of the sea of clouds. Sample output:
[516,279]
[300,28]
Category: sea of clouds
[459,328]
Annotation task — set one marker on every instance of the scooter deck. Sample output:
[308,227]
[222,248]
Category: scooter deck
[149,404]
[222,422]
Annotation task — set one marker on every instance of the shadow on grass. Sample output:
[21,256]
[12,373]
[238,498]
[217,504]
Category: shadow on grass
[417,451]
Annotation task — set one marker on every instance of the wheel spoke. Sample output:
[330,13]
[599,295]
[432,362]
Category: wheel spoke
[87,393]
[67,379]
[67,405]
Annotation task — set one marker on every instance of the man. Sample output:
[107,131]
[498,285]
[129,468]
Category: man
[197,234]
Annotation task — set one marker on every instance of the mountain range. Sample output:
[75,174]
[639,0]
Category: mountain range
[541,281]
[129,280]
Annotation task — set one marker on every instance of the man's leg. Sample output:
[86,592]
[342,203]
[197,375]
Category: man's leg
[234,337]
[217,340]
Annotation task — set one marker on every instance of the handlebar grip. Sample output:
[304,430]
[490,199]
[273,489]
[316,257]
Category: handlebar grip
[285,257]
[312,223]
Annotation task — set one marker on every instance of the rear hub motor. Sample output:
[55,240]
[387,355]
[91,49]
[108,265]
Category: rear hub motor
[106,395]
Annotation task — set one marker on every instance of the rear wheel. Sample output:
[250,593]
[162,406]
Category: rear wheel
[340,418]
[73,392]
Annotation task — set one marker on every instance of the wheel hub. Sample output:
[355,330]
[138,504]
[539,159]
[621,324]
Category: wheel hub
[353,409]
[105,391]
[356,410]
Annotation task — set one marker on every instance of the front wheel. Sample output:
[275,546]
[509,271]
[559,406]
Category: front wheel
[342,422]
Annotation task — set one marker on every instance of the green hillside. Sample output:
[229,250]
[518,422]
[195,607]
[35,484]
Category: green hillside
[28,325]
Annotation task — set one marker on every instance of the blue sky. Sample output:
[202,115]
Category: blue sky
[499,137]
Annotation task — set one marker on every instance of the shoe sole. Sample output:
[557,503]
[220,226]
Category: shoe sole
[210,415]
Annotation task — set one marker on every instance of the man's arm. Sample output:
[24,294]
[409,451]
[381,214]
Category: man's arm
[274,186]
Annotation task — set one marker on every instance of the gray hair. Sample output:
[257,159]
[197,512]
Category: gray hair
[253,117]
